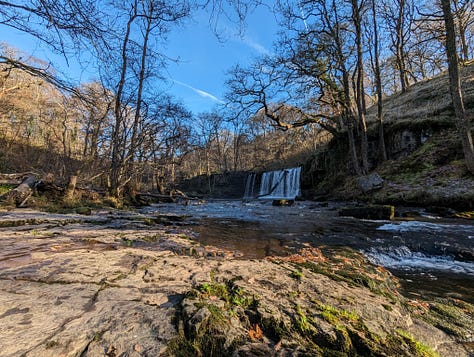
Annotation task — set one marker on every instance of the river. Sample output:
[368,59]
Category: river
[431,256]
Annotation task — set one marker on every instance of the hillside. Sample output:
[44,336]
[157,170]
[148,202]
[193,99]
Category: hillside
[425,165]
[426,100]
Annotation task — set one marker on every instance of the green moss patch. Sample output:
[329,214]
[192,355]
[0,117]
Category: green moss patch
[453,316]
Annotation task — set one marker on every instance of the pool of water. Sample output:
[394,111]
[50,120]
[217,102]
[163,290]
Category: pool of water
[431,256]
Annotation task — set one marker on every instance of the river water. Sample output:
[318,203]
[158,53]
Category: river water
[431,256]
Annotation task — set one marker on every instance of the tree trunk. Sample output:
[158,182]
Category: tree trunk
[353,150]
[378,83]
[71,187]
[462,31]
[118,147]
[347,115]
[360,92]
[20,194]
[138,109]
[400,46]
[462,121]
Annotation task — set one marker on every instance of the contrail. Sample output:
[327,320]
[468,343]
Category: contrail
[199,91]
[255,45]
[303,16]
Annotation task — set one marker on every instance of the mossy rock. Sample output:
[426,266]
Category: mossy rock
[377,212]
[465,215]
[84,210]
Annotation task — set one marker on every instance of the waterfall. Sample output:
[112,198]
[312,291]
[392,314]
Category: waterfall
[275,185]
[250,186]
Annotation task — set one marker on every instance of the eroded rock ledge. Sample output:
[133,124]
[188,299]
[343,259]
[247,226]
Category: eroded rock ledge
[120,284]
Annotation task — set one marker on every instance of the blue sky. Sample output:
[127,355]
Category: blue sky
[198,77]
[204,59]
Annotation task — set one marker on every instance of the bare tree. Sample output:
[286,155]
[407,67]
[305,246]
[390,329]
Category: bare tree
[118,135]
[145,20]
[310,82]
[357,13]
[462,120]
[463,15]
[378,82]
[398,17]
[66,26]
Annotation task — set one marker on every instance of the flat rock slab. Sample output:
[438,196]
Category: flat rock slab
[112,284]
[60,291]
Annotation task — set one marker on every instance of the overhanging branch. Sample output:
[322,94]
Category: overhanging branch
[41,73]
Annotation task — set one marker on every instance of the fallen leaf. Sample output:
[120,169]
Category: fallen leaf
[255,333]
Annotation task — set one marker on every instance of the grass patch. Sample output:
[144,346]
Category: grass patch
[301,321]
[181,347]
[419,348]
[127,242]
[333,315]
[37,233]
[455,317]
[229,292]
[207,324]
[296,274]
[351,267]
[4,188]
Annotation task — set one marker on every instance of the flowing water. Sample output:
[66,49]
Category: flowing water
[274,185]
[431,256]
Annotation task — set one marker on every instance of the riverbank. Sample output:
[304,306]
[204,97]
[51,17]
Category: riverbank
[133,283]
[434,175]
[425,165]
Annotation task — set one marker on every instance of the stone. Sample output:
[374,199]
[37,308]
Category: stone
[441,211]
[376,212]
[84,210]
[370,182]
[283,202]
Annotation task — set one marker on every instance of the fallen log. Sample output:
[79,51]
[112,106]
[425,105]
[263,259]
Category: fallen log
[20,194]
[15,178]
[174,196]
[50,190]
[148,198]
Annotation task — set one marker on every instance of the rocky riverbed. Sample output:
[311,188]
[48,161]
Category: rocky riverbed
[121,283]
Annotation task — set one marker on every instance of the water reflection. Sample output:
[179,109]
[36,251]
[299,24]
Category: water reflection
[429,255]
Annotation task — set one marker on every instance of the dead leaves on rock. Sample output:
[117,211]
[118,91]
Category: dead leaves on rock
[304,255]
[255,332]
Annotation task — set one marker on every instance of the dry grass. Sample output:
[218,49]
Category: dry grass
[426,100]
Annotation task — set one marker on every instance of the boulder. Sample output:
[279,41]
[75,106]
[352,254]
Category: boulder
[384,212]
[283,202]
[441,211]
[87,211]
[370,182]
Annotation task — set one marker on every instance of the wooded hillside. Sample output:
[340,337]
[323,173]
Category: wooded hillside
[347,69]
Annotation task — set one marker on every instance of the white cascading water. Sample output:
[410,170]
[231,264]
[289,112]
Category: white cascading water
[250,186]
[405,259]
[275,185]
